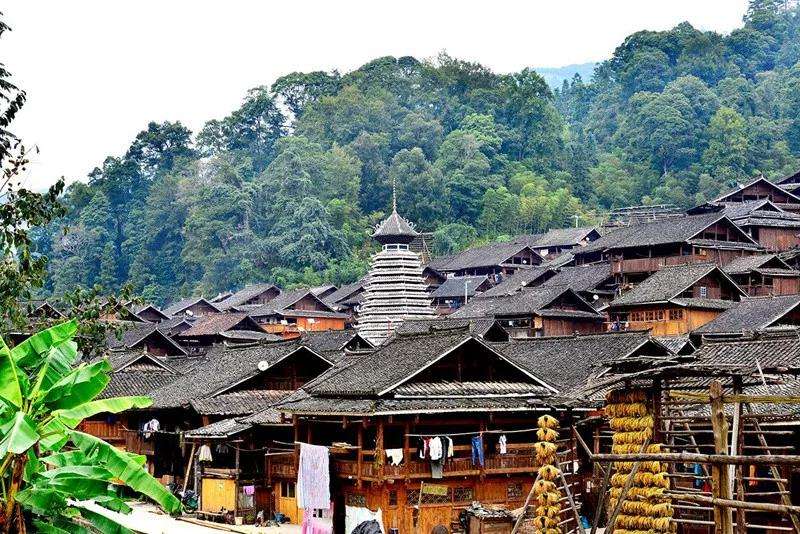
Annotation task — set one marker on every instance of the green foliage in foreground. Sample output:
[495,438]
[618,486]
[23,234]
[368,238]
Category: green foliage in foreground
[47,466]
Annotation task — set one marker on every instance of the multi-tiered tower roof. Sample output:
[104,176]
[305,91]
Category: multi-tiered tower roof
[395,289]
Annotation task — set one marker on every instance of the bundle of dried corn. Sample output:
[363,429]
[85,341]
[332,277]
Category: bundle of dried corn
[547,497]
[645,507]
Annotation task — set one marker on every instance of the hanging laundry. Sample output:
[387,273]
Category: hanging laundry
[450,448]
[435,448]
[204,455]
[151,426]
[395,456]
[249,490]
[427,447]
[314,525]
[437,468]
[477,450]
[502,443]
[355,516]
[421,448]
[313,478]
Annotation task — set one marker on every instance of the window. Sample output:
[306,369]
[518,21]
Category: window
[703,292]
[356,499]
[675,315]
[660,315]
[392,497]
[287,489]
[514,491]
[463,495]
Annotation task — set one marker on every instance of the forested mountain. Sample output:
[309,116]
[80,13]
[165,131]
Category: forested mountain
[285,188]
[555,76]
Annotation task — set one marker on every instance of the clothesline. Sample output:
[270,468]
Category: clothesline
[292,444]
[478,433]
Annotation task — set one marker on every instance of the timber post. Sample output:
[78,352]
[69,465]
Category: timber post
[720,485]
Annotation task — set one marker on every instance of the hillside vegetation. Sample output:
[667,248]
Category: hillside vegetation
[286,187]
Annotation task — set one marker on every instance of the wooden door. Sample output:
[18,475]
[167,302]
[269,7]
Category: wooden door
[218,493]
[429,517]
[287,502]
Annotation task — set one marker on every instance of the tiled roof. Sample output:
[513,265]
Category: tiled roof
[557,237]
[345,292]
[527,301]
[285,300]
[126,383]
[751,314]
[566,362]
[134,333]
[238,402]
[393,226]
[582,277]
[531,276]
[469,389]
[266,417]
[678,230]
[746,264]
[389,406]
[222,368]
[484,256]
[477,326]
[761,180]
[668,283]
[677,344]
[179,306]
[245,294]
[457,286]
[216,323]
[771,351]
[219,429]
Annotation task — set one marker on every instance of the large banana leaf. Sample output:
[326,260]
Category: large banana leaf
[104,524]
[126,469]
[42,500]
[59,526]
[54,435]
[73,416]
[56,364]
[62,459]
[30,352]
[89,471]
[19,435]
[83,384]
[10,374]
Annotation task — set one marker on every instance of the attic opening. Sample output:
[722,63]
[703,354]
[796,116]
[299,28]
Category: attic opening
[470,362]
[288,374]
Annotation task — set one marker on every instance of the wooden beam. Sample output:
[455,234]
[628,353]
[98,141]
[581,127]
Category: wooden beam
[521,517]
[571,501]
[742,505]
[601,498]
[624,493]
[689,457]
[730,399]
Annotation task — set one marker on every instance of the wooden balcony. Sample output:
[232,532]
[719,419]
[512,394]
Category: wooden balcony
[103,430]
[646,265]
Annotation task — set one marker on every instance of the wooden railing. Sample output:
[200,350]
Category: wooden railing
[461,466]
[103,430]
[136,443]
[644,265]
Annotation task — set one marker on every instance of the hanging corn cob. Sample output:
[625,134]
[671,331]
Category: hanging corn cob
[645,508]
[547,497]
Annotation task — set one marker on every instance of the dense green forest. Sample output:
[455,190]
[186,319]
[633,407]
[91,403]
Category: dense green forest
[286,187]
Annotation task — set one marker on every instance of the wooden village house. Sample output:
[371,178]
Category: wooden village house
[675,300]
[764,274]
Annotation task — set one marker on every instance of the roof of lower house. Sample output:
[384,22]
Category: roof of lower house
[531,276]
[758,180]
[678,344]
[457,286]
[134,333]
[771,352]
[477,326]
[181,305]
[245,294]
[528,301]
[746,264]
[751,314]
[127,383]
[558,237]
[218,430]
[678,230]
[582,277]
[488,255]
[668,283]
[566,362]
[240,403]
[139,308]
[223,368]
[285,300]
[217,323]
[345,292]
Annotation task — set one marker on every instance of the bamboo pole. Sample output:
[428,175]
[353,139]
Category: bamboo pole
[720,484]
[625,490]
[521,517]
[742,505]
[689,457]
[785,497]
[601,498]
[571,501]
[189,467]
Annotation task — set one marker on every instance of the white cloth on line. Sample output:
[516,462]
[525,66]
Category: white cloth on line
[204,454]
[450,450]
[313,478]
[355,515]
[435,451]
[395,456]
[502,442]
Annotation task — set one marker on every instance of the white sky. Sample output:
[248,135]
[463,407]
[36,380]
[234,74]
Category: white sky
[97,71]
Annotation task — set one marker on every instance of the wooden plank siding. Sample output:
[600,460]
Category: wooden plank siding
[669,320]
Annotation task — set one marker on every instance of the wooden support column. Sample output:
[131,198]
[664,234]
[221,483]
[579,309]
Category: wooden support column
[407,450]
[720,486]
[483,446]
[380,455]
[359,455]
[735,472]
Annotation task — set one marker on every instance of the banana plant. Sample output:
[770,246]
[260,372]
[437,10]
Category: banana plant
[47,467]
